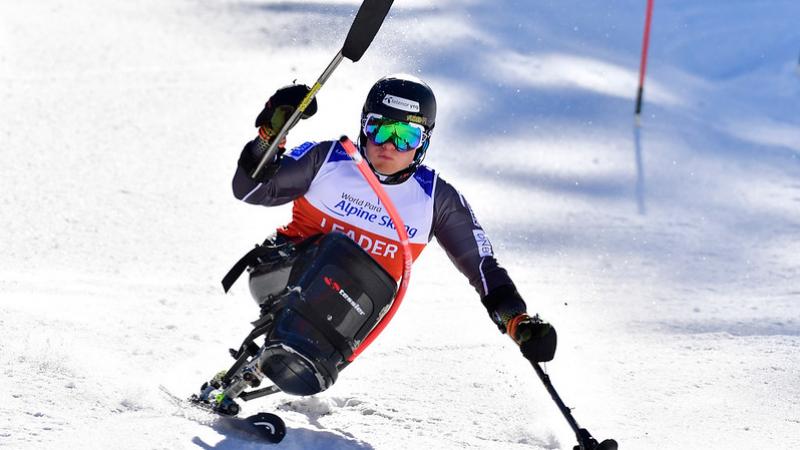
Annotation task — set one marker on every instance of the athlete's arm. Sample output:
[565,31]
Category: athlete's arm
[289,176]
[463,239]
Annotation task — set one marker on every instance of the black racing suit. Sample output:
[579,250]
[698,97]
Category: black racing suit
[452,221]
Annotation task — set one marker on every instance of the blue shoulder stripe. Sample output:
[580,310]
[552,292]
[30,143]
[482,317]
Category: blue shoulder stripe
[425,177]
[298,152]
[338,153]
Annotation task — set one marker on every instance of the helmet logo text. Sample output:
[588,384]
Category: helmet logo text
[401,103]
[415,119]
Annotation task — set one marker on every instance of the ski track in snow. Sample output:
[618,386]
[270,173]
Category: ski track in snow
[665,255]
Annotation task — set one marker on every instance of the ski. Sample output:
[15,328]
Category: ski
[266,426]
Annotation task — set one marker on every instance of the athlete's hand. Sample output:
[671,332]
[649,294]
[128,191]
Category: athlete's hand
[535,337]
[280,106]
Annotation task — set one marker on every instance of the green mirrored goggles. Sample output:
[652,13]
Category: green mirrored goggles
[405,136]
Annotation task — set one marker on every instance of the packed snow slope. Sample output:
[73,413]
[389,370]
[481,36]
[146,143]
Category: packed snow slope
[666,255]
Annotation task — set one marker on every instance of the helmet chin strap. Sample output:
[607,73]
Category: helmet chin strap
[382,177]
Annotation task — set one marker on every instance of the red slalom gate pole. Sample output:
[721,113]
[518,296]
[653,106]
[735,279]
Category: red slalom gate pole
[401,233]
[643,63]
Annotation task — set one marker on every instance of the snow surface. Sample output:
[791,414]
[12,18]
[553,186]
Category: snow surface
[667,256]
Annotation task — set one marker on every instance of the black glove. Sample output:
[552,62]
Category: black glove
[536,338]
[280,107]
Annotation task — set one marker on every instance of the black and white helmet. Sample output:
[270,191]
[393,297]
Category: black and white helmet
[405,98]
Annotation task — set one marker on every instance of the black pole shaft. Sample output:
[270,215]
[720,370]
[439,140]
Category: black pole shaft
[556,398]
[585,439]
